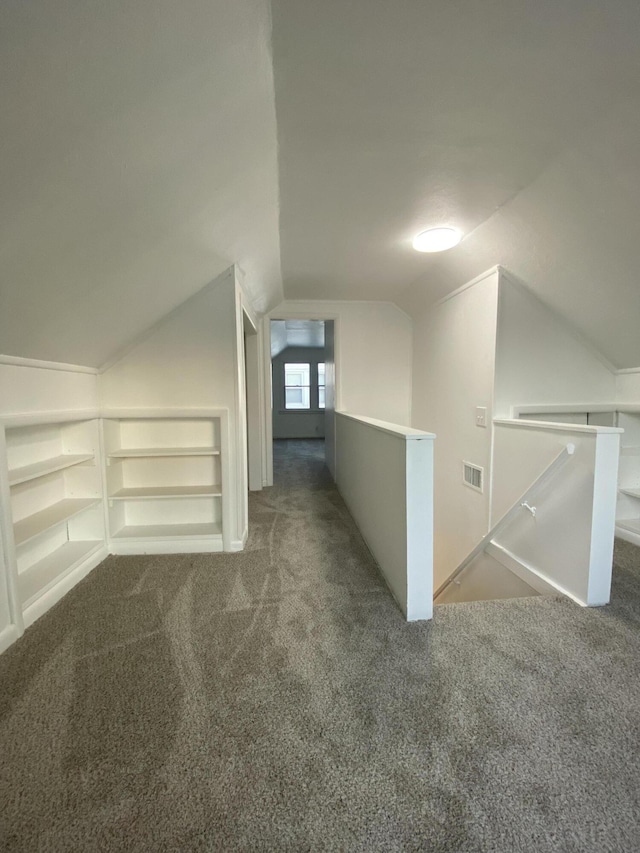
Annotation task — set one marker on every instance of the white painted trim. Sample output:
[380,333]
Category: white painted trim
[622,371]
[19,361]
[603,519]
[36,418]
[239,544]
[405,433]
[135,547]
[7,540]
[133,414]
[8,637]
[511,562]
[577,408]
[628,535]
[561,408]
[528,574]
[267,463]
[492,271]
[275,313]
[555,427]
[53,595]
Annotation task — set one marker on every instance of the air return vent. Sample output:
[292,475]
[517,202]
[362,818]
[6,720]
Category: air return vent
[473,476]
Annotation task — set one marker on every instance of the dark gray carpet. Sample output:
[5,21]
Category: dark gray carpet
[275,700]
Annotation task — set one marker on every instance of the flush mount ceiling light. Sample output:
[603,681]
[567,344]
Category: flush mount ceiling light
[436,239]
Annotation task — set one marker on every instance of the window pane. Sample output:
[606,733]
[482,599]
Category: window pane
[296,386]
[296,374]
[321,385]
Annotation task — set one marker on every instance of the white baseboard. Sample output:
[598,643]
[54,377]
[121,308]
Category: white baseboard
[528,574]
[182,546]
[627,535]
[8,636]
[53,595]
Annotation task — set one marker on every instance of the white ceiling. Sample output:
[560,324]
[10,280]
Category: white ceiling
[140,157]
[296,333]
[137,161]
[515,120]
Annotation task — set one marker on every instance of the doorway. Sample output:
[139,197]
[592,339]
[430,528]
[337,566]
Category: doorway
[302,377]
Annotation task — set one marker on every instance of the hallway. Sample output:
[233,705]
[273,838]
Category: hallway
[275,700]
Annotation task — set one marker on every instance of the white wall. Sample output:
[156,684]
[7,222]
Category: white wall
[295,423]
[193,358]
[540,359]
[25,388]
[453,372]
[385,476]
[628,386]
[373,355]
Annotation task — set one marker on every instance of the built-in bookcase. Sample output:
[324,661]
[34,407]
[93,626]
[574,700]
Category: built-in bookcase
[164,484]
[628,509]
[55,489]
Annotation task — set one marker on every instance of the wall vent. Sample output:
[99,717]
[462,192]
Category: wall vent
[473,476]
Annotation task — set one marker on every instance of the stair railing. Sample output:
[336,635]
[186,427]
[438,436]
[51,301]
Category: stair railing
[523,502]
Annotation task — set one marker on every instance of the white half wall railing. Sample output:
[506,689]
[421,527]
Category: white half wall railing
[516,509]
[384,473]
[567,542]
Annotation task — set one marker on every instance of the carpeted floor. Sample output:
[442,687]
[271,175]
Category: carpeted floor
[275,700]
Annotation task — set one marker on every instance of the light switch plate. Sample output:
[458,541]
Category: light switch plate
[481,416]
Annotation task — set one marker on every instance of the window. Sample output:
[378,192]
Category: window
[321,386]
[297,386]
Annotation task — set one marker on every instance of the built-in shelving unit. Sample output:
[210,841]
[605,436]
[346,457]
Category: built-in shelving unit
[164,483]
[55,495]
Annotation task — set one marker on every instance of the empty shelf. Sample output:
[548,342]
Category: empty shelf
[168,531]
[46,466]
[630,524]
[633,493]
[145,492]
[37,523]
[41,575]
[130,452]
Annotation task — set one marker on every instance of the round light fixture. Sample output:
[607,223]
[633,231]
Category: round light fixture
[436,239]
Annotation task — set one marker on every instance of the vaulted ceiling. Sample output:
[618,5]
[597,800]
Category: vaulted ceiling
[517,121]
[138,161]
[147,145]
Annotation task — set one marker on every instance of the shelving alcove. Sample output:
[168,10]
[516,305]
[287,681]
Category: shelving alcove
[166,480]
[53,524]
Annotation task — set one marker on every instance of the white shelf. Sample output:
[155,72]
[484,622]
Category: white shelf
[146,492]
[630,524]
[633,493]
[133,452]
[37,523]
[46,466]
[39,577]
[169,531]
